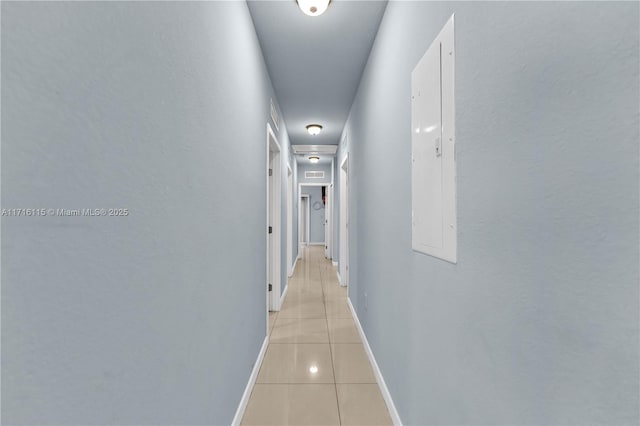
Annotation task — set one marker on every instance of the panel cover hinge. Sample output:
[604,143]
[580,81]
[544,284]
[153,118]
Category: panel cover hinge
[270,287]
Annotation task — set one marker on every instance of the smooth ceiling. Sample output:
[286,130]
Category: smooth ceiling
[315,63]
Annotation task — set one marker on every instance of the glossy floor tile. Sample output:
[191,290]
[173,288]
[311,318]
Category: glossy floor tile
[351,364]
[272,320]
[315,370]
[297,363]
[338,308]
[362,405]
[334,292]
[343,330]
[302,309]
[281,405]
[300,330]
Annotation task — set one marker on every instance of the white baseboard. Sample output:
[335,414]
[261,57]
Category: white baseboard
[316,244]
[293,268]
[284,293]
[252,380]
[393,413]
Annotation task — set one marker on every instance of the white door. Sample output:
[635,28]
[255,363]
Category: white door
[273,230]
[270,250]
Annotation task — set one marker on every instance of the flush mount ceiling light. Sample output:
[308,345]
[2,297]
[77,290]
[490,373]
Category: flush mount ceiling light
[313,7]
[314,129]
[314,159]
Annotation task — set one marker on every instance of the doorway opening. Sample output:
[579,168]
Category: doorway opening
[303,221]
[314,220]
[274,218]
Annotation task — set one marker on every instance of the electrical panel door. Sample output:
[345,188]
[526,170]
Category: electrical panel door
[433,150]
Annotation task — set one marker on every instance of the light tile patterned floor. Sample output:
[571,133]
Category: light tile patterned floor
[315,370]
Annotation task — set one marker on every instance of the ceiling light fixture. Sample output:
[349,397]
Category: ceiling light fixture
[314,159]
[313,7]
[314,129]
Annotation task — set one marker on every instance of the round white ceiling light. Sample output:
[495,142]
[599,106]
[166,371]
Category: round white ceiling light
[314,159]
[314,129]
[313,7]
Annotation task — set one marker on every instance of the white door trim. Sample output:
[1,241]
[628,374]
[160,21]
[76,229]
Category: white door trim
[328,222]
[300,185]
[289,261]
[332,247]
[304,241]
[274,219]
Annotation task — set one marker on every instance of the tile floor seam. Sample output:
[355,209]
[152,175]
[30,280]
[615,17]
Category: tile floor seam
[335,384]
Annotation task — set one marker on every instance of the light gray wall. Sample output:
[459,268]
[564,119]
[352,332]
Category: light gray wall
[538,321]
[316,215]
[156,317]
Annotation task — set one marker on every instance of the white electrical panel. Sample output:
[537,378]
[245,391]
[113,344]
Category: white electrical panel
[433,189]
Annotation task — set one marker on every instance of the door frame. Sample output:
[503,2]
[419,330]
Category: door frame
[344,221]
[289,262]
[273,219]
[306,221]
[300,185]
[328,223]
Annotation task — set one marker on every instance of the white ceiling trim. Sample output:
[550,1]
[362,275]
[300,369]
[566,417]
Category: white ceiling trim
[315,149]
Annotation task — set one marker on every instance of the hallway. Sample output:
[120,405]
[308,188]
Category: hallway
[472,168]
[315,371]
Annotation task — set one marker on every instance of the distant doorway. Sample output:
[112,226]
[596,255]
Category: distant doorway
[314,215]
[303,220]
